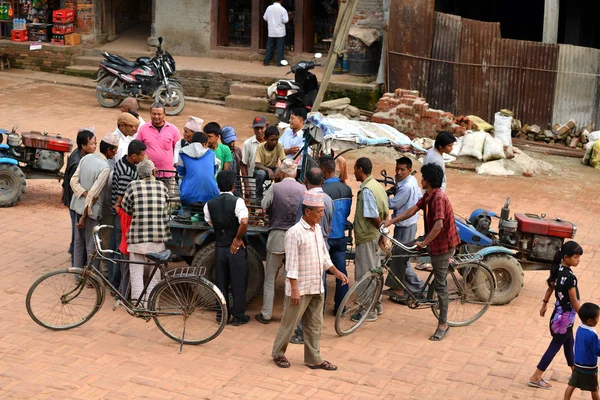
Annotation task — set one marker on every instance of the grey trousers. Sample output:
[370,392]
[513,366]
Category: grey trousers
[84,243]
[440,284]
[310,311]
[401,266]
[366,258]
[275,256]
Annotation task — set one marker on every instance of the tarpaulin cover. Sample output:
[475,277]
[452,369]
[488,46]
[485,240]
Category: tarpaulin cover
[338,134]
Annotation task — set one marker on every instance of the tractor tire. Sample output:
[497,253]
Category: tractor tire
[509,277]
[12,185]
[205,257]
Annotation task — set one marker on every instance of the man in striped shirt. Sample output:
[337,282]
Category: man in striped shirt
[125,172]
[306,260]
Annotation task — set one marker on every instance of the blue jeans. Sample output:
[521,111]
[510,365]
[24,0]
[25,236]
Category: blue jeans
[273,42]
[337,252]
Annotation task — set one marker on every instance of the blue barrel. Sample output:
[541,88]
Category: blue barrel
[363,60]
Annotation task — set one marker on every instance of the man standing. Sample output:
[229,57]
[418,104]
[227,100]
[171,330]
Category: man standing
[88,184]
[193,125]
[441,236]
[222,152]
[127,127]
[228,215]
[276,17]
[371,210]
[341,194]
[146,201]
[281,201]
[292,139]
[229,137]
[259,125]
[268,156]
[130,105]
[160,138]
[406,194]
[444,143]
[306,260]
[124,173]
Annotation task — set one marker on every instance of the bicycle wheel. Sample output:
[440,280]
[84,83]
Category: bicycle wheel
[358,302]
[466,284]
[189,307]
[57,301]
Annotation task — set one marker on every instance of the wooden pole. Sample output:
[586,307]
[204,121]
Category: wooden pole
[340,34]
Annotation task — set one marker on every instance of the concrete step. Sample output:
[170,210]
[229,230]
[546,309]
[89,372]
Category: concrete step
[248,89]
[129,54]
[247,103]
[89,61]
[81,70]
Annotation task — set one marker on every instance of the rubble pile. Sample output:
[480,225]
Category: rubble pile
[568,134]
[339,108]
[411,115]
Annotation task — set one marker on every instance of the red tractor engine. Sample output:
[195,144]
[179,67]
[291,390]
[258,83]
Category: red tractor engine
[540,238]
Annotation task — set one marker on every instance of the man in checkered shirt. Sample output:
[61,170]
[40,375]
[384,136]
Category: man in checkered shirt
[146,201]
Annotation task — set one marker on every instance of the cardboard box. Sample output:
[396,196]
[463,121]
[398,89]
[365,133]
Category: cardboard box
[73,39]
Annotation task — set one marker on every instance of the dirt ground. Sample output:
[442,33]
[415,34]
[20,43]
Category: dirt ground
[117,357]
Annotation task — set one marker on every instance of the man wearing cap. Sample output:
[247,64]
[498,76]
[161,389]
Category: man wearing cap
[130,105]
[127,127]
[281,202]
[160,138]
[194,124]
[229,137]
[88,184]
[259,124]
[306,260]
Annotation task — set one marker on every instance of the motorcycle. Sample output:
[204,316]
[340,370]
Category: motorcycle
[300,92]
[144,78]
[31,155]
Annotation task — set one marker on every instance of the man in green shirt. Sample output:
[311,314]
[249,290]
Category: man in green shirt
[222,152]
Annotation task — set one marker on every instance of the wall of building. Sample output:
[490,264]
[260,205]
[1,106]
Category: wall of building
[50,58]
[369,14]
[184,25]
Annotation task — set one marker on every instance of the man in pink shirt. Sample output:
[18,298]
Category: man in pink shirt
[160,138]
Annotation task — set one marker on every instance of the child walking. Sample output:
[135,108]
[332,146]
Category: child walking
[563,283]
[587,351]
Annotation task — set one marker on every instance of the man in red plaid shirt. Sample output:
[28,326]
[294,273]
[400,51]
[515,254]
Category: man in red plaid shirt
[441,236]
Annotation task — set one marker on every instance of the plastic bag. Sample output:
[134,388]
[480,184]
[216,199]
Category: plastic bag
[473,145]
[493,149]
[457,147]
[588,153]
[502,129]
[595,158]
[594,136]
[479,124]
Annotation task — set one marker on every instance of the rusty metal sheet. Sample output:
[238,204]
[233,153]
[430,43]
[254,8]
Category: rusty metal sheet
[576,95]
[473,81]
[523,79]
[441,93]
[410,32]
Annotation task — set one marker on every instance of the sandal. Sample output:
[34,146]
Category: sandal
[541,384]
[326,365]
[297,339]
[439,335]
[282,362]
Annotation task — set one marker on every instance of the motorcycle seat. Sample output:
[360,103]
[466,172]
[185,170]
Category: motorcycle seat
[119,60]
[120,67]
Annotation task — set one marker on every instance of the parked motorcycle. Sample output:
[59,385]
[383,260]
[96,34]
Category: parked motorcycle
[144,78]
[300,92]
[31,155]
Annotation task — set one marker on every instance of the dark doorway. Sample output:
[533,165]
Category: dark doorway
[235,23]
[322,21]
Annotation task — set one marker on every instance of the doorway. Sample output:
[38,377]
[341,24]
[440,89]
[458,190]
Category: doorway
[235,23]
[290,27]
[319,28]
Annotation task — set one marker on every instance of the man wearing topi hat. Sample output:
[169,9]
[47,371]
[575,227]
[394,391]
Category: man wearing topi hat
[127,127]
[306,260]
[88,185]
[193,125]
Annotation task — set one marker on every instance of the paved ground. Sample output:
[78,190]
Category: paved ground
[117,357]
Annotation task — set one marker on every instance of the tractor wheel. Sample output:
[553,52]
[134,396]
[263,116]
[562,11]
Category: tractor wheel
[509,277]
[205,257]
[12,185]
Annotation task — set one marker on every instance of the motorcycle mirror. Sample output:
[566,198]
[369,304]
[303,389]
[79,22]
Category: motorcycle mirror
[284,62]
[318,55]
[160,39]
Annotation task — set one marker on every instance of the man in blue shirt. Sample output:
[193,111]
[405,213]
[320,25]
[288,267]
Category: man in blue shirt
[292,138]
[406,194]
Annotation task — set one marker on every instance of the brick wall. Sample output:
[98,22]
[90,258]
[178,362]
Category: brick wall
[49,59]
[184,25]
[369,14]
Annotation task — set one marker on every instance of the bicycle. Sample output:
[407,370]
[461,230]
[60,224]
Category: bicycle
[186,307]
[471,286]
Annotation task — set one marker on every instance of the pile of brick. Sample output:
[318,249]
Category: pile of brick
[411,115]
[568,134]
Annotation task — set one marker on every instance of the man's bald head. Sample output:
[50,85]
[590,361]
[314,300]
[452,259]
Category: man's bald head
[129,104]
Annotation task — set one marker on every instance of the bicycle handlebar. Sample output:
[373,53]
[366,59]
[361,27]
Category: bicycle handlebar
[385,231]
[98,242]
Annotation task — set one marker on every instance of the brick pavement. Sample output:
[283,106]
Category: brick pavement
[117,357]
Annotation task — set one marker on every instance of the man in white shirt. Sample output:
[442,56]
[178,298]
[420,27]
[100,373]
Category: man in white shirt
[130,104]
[259,125]
[127,126]
[276,17]
[292,138]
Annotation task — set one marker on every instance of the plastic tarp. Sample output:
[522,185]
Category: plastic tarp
[338,135]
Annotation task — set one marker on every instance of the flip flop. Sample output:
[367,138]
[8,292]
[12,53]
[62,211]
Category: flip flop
[439,335]
[297,339]
[282,362]
[326,365]
[540,384]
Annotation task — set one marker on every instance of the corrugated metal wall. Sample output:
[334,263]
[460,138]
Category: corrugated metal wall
[577,89]
[446,46]
[412,24]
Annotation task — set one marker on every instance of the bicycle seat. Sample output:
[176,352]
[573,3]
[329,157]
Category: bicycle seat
[160,258]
